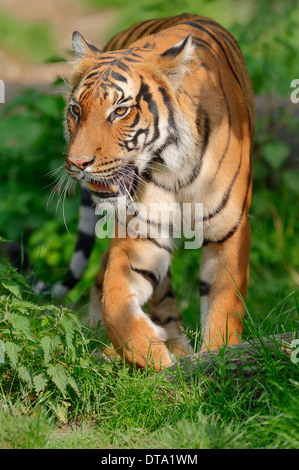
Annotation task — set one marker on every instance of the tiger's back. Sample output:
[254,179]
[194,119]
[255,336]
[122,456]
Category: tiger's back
[186,105]
[220,105]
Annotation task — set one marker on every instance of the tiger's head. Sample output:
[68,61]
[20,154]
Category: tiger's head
[122,116]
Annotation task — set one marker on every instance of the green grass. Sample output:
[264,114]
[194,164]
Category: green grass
[139,414]
[92,403]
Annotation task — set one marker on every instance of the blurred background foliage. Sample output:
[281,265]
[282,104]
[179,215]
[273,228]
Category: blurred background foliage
[32,145]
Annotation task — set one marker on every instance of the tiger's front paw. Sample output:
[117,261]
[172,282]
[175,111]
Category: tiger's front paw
[140,343]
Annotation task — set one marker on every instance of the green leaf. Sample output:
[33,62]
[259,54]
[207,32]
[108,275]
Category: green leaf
[58,375]
[12,350]
[276,153]
[24,374]
[69,328]
[21,323]
[61,412]
[40,382]
[73,383]
[24,304]
[49,344]
[13,288]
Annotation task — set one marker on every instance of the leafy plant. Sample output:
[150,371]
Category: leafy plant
[45,347]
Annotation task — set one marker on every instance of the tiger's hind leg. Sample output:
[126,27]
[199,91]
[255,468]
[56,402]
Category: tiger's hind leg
[224,270]
[164,312]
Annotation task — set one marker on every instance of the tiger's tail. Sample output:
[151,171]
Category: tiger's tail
[19,256]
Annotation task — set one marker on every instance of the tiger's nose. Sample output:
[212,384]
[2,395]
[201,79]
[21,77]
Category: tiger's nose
[81,163]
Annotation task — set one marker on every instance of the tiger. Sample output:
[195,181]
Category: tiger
[164,114]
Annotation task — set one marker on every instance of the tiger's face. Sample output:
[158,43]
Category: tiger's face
[120,117]
[99,115]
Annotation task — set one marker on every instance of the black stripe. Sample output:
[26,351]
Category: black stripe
[167,102]
[195,25]
[226,194]
[132,53]
[223,33]
[69,281]
[86,200]
[159,26]
[149,25]
[143,32]
[130,59]
[135,122]
[204,288]
[93,74]
[134,30]
[160,322]
[151,179]
[195,172]
[229,126]
[163,247]
[148,275]
[109,162]
[168,295]
[85,243]
[170,140]
[124,67]
[236,226]
[118,76]
[124,100]
[169,320]
[113,85]
[134,140]
[85,93]
[112,169]
[145,94]
[205,44]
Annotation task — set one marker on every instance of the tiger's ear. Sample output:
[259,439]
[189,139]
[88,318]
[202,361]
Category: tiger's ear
[175,60]
[82,48]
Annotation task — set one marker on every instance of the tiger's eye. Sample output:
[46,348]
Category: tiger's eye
[75,110]
[120,111]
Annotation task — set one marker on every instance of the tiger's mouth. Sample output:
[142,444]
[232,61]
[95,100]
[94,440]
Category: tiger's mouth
[123,184]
